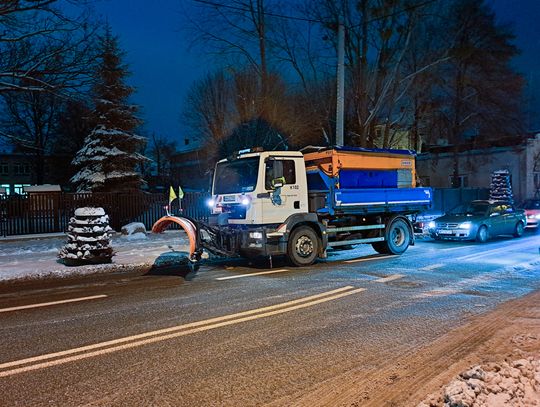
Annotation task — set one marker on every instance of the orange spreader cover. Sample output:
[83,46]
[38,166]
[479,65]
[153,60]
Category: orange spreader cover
[331,161]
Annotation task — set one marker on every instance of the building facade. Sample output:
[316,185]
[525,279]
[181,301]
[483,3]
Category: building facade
[522,160]
[18,171]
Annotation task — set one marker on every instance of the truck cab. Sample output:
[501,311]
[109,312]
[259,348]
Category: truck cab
[259,188]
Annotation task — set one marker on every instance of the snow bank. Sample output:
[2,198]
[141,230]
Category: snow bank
[132,228]
[494,385]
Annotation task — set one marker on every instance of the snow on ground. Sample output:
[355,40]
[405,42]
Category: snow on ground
[37,258]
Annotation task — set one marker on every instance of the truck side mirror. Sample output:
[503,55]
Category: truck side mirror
[278,182]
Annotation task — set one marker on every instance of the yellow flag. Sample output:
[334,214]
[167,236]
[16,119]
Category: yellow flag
[172,195]
[180,192]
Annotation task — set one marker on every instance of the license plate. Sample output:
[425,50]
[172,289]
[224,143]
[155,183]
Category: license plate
[445,232]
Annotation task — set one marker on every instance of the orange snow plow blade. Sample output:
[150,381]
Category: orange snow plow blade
[184,223]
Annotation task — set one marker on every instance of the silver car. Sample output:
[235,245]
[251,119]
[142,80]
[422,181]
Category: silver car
[479,220]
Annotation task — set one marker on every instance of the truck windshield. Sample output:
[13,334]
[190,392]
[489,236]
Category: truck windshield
[236,176]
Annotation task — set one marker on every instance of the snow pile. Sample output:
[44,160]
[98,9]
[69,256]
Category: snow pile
[133,228]
[88,238]
[494,385]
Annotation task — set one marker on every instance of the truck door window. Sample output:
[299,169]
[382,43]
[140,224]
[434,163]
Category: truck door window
[279,168]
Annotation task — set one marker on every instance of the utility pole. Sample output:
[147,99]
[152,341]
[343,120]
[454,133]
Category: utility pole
[340,84]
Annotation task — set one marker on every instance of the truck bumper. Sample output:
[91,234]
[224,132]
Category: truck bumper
[255,242]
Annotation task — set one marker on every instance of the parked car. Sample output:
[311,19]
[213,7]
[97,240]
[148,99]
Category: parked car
[532,212]
[479,220]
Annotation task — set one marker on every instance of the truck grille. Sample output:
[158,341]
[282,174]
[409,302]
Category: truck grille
[447,225]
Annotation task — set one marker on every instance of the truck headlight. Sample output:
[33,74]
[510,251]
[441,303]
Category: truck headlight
[432,225]
[245,201]
[255,235]
[211,203]
[465,225]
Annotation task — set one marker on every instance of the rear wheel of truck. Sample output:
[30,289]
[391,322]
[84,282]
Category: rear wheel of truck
[398,237]
[303,246]
[380,247]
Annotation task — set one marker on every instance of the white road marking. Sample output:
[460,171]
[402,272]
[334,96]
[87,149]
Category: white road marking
[511,247]
[46,304]
[450,248]
[389,278]
[169,333]
[370,258]
[432,267]
[260,273]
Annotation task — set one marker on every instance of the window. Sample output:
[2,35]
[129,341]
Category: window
[279,168]
[19,188]
[21,169]
[4,168]
[462,181]
[6,188]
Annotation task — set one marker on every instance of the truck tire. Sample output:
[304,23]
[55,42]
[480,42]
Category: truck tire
[398,237]
[303,246]
[380,247]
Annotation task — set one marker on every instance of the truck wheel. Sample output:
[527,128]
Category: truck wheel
[303,246]
[398,237]
[482,234]
[518,230]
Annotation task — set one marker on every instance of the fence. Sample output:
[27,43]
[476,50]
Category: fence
[445,199]
[50,212]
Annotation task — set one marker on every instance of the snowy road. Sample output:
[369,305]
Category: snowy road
[265,336]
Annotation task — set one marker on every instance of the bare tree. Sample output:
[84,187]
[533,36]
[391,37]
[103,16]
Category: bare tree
[479,92]
[43,48]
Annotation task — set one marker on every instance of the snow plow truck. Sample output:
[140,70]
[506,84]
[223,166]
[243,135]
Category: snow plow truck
[301,203]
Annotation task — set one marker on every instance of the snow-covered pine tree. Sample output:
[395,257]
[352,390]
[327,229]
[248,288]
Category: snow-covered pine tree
[109,158]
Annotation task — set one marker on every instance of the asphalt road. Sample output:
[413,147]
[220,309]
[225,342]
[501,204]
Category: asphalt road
[236,335]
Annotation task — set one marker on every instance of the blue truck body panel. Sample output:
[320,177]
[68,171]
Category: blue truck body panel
[359,192]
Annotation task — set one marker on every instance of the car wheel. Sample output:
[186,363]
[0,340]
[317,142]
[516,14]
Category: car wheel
[303,246]
[518,230]
[482,234]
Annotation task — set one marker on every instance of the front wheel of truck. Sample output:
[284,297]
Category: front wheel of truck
[303,246]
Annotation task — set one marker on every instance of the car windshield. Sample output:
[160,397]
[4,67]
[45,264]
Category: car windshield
[531,204]
[472,209]
[236,176]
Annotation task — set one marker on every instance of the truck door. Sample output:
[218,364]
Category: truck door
[286,189]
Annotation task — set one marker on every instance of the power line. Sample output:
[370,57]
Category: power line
[311,20]
[219,5]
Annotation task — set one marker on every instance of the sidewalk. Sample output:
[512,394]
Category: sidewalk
[25,258]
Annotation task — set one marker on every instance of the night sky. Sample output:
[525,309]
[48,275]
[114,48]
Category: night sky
[164,66]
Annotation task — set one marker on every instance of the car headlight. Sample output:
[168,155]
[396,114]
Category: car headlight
[255,235]
[211,203]
[465,225]
[537,216]
[245,201]
[431,225]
